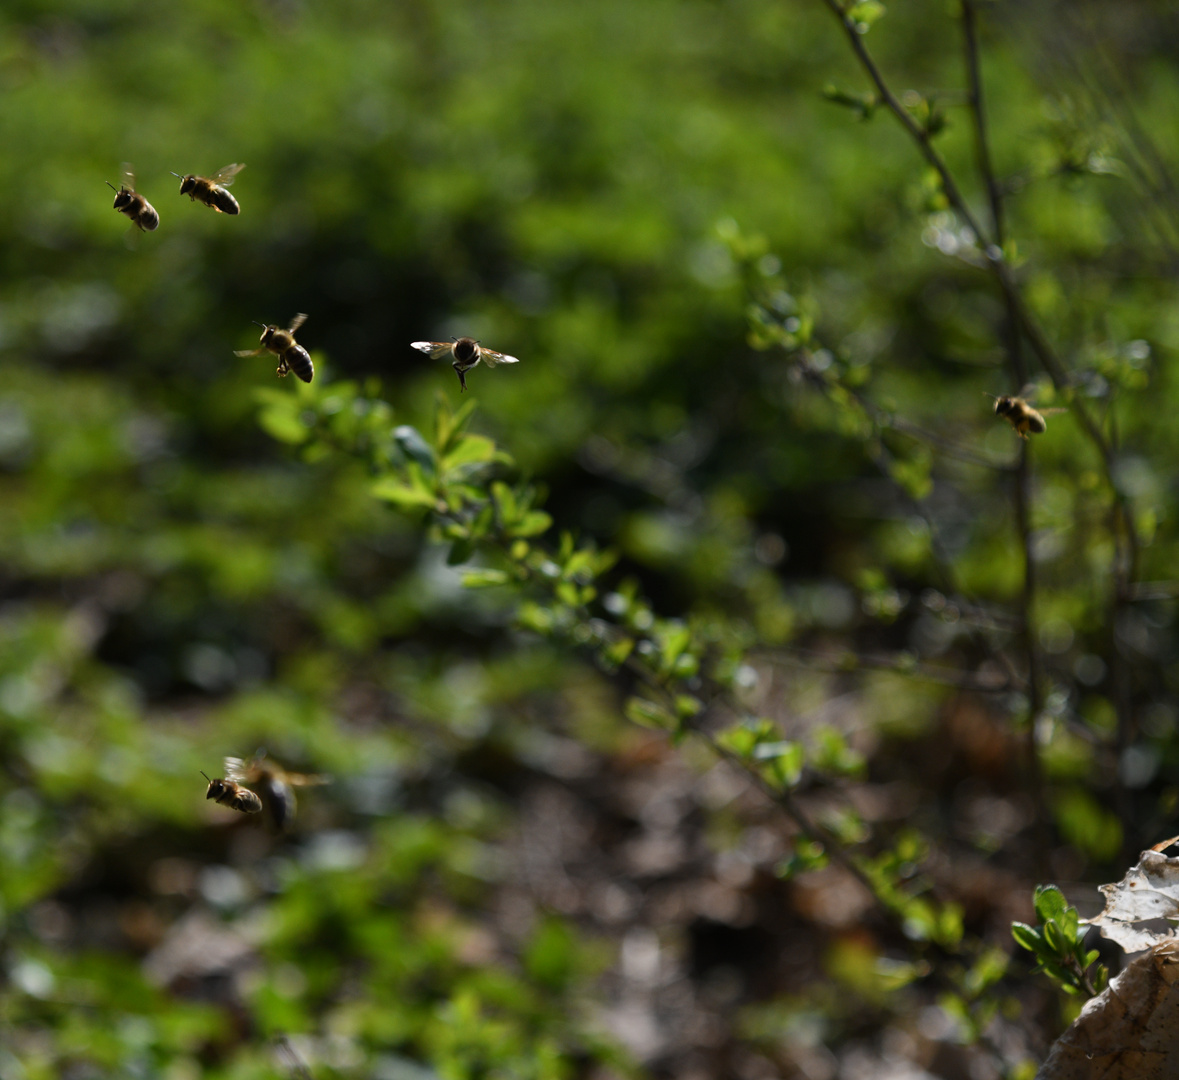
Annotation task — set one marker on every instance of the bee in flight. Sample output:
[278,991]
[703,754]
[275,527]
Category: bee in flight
[291,355]
[211,189]
[1021,416]
[465,352]
[231,794]
[273,781]
[128,201]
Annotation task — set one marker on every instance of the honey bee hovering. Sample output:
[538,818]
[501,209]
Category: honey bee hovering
[231,794]
[211,189]
[274,783]
[128,201]
[1021,416]
[291,355]
[465,352]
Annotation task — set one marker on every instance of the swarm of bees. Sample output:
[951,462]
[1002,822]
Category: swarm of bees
[274,785]
[465,353]
[291,355]
[1018,412]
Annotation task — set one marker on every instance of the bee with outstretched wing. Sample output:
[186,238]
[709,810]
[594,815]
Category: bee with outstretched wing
[210,190]
[273,782]
[291,355]
[232,794]
[1020,414]
[464,353]
[128,201]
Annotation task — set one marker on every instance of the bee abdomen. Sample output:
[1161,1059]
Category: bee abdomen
[220,199]
[246,801]
[148,219]
[298,359]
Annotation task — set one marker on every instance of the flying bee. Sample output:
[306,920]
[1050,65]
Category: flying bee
[1021,416]
[211,189]
[231,794]
[291,355]
[465,352]
[273,781]
[128,201]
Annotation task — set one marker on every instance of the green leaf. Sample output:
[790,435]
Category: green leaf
[414,446]
[1049,903]
[470,450]
[406,493]
[866,12]
[482,577]
[460,552]
[448,423]
[649,714]
[617,652]
[1028,937]
[505,501]
[532,523]
[282,416]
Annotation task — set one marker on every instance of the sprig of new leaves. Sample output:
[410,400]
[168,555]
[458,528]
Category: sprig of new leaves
[463,489]
[1057,941]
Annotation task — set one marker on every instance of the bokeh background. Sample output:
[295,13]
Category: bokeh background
[507,878]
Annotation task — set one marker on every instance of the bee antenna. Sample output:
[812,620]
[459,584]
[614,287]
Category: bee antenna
[111,186]
[205,775]
[257,323]
[176,174]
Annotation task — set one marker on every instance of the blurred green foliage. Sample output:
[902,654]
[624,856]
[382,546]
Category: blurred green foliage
[744,469]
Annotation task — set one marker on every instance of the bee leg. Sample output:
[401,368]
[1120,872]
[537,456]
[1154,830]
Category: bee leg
[283,368]
[461,372]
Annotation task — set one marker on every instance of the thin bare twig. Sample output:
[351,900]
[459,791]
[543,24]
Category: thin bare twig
[1123,529]
[904,664]
[1019,373]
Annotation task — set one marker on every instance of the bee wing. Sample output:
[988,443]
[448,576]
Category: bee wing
[225,176]
[296,322]
[490,357]
[128,176]
[296,779]
[1049,412]
[434,349]
[237,770]
[248,352]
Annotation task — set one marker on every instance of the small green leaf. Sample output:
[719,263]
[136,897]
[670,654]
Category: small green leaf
[648,714]
[865,13]
[1049,903]
[448,423]
[413,491]
[617,652]
[1028,937]
[470,450]
[414,446]
[532,523]
[460,552]
[482,577]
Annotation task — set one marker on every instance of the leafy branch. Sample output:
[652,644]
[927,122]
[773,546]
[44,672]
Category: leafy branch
[686,673]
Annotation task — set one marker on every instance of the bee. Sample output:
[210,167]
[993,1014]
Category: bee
[128,201]
[273,781]
[211,189]
[291,355]
[231,794]
[466,353]
[1021,416]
